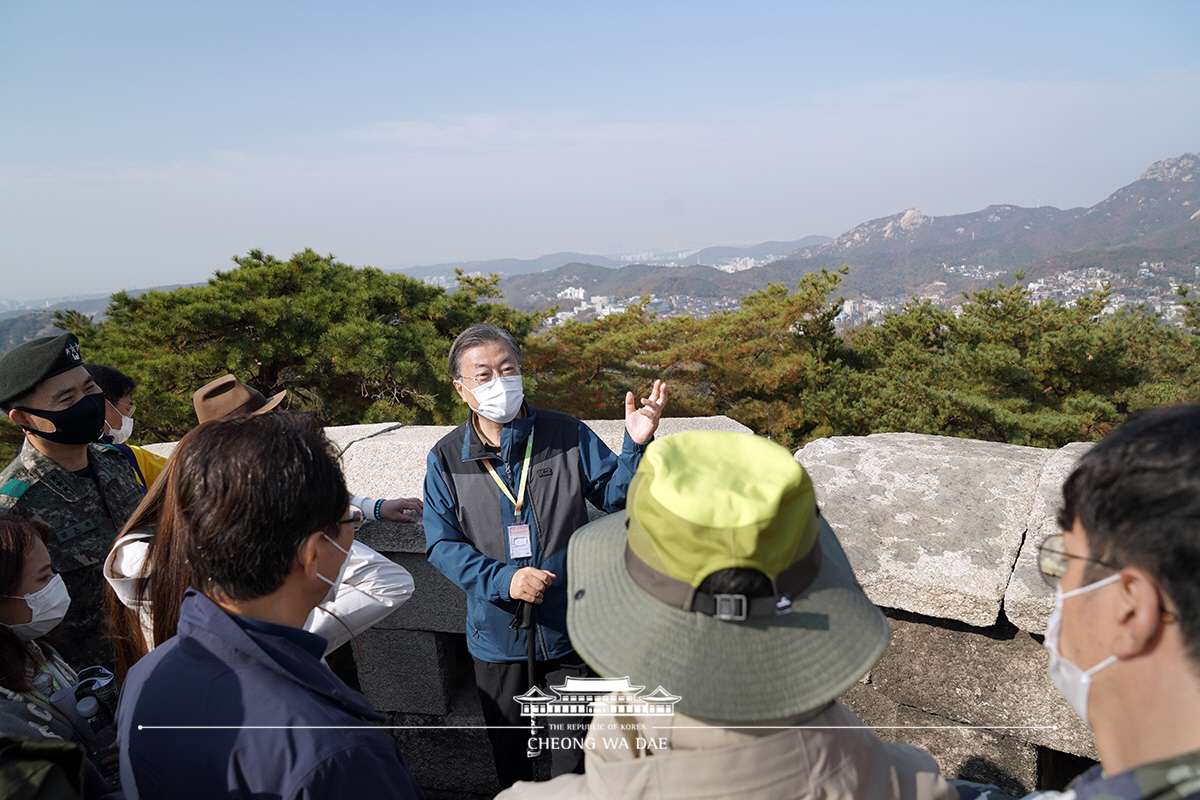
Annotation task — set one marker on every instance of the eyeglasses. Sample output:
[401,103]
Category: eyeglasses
[132,408]
[481,378]
[1053,559]
[353,514]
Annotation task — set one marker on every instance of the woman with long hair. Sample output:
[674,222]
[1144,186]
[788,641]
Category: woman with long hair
[148,572]
[143,613]
[33,600]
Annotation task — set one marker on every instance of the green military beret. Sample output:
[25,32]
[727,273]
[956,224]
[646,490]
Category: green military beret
[24,367]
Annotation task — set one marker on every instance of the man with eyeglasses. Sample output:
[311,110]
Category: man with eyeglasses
[238,704]
[504,492]
[1124,637]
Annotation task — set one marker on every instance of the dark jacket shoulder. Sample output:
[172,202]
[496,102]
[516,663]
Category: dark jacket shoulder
[264,692]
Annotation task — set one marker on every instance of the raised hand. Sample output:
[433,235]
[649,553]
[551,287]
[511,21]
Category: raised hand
[643,422]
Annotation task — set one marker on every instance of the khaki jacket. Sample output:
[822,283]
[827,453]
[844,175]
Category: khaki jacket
[832,756]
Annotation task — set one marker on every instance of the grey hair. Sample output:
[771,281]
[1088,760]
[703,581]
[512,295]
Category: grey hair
[474,336]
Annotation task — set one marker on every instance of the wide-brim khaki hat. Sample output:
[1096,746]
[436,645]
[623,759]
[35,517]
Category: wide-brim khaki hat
[757,669]
[229,397]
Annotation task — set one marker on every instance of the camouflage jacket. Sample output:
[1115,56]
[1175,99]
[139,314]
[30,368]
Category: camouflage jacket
[83,513]
[1173,779]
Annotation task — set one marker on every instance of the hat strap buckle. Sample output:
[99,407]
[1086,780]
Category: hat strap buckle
[731,607]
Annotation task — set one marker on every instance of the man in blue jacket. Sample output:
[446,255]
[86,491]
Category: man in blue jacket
[504,491]
[238,704]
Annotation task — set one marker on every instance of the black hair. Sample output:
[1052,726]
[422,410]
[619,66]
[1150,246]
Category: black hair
[16,540]
[246,493]
[112,382]
[1137,495]
[477,334]
[738,580]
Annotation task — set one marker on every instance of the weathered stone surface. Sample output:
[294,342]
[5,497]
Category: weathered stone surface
[931,524]
[436,604]
[342,436]
[407,671]
[450,753]
[1029,599]
[392,537]
[979,680]
[872,706]
[391,464]
[974,754]
[345,435]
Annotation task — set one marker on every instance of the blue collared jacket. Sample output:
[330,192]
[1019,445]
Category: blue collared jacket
[467,517]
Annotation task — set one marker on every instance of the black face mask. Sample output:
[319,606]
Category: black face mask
[80,424]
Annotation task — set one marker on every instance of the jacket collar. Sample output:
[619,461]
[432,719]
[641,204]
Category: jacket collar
[50,473]
[512,438]
[203,620]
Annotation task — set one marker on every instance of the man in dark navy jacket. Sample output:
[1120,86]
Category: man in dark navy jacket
[504,491]
[239,704]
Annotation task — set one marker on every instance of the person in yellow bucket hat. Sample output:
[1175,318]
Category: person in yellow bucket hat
[726,621]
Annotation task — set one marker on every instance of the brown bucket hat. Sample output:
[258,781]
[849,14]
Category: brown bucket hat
[229,397]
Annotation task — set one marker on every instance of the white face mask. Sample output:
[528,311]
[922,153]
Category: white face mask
[122,434]
[499,399]
[48,606]
[334,584]
[1072,682]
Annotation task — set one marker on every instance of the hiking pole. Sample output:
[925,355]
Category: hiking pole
[525,619]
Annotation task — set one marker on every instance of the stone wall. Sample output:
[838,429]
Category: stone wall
[942,533]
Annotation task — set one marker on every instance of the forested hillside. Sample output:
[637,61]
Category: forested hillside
[359,345]
[1006,370]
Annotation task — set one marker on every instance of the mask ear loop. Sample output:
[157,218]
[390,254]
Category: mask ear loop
[342,622]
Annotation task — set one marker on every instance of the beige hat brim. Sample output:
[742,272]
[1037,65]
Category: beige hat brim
[752,671]
[272,401]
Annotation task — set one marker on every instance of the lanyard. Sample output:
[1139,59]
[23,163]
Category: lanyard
[519,500]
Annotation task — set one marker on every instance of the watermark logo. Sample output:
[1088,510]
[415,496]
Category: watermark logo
[589,697]
[581,697]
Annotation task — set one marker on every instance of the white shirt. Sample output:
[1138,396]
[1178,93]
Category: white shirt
[372,587]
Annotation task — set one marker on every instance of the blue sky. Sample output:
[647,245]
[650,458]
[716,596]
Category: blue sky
[145,143]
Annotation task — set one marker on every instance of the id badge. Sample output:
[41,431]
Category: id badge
[519,545]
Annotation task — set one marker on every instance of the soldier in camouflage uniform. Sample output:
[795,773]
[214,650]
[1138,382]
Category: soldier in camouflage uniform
[82,490]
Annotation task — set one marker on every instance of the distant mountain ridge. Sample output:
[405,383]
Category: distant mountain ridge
[718,256]
[32,319]
[509,266]
[1161,208]
[1155,218]
[712,256]
[86,304]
